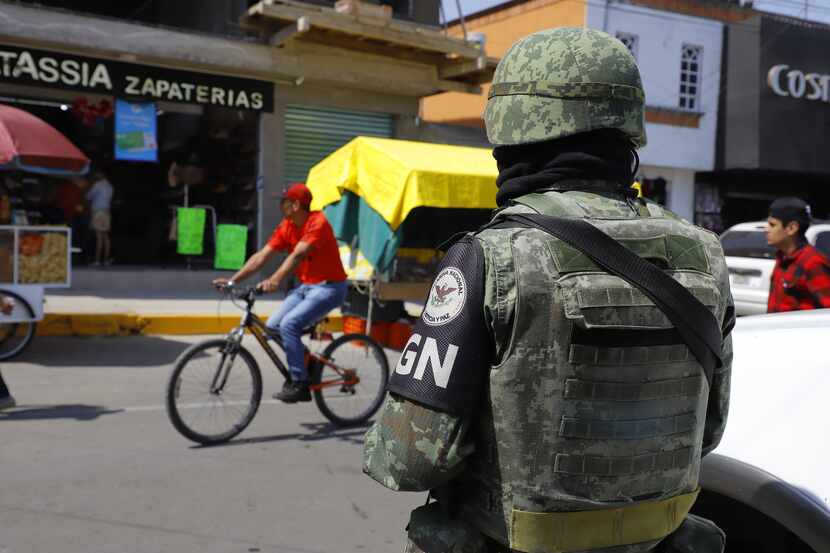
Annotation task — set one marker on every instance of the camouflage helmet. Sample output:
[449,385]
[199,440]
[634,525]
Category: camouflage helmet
[564,81]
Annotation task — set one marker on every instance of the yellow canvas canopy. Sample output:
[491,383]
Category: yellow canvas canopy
[396,176]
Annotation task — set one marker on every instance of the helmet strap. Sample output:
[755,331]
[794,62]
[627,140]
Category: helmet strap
[636,164]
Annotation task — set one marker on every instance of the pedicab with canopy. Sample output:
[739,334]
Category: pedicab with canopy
[392,203]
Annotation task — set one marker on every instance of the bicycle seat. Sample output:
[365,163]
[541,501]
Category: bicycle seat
[310,328]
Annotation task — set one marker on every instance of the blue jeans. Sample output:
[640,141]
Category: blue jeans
[304,305]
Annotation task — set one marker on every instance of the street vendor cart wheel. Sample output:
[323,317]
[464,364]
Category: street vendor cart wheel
[16,335]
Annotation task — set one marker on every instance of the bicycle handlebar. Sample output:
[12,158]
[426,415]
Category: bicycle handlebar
[246,293]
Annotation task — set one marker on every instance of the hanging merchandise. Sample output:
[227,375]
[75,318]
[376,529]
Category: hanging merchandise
[231,246]
[91,114]
[135,131]
[191,230]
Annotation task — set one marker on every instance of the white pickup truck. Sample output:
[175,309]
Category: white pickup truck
[768,483]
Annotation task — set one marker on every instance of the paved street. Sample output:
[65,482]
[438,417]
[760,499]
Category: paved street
[89,463]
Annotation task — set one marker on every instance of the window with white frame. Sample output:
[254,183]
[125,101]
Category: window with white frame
[630,41]
[690,69]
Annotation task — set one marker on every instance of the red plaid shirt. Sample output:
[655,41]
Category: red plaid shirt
[800,281]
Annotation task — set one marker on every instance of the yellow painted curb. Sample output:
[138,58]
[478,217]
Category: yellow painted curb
[127,324]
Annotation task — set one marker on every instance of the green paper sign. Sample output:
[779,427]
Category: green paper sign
[191,230]
[231,244]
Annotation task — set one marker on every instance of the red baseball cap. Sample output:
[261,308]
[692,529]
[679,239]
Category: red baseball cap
[298,192]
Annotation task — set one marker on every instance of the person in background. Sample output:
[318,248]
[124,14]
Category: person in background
[801,278]
[313,253]
[6,399]
[69,198]
[100,201]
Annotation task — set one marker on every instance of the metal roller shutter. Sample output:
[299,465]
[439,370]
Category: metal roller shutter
[312,133]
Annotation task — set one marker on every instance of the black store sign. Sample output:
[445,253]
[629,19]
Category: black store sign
[794,114]
[54,70]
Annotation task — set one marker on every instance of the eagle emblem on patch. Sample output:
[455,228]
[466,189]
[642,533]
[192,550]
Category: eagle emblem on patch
[446,298]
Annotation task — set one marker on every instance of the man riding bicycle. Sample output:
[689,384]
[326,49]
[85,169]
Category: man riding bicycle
[314,256]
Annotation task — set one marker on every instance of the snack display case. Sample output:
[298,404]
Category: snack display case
[33,258]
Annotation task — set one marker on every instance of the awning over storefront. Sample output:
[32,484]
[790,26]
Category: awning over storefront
[370,186]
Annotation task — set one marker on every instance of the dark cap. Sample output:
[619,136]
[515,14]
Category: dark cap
[791,209]
[298,192]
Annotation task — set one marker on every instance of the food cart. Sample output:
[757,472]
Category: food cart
[391,203]
[32,257]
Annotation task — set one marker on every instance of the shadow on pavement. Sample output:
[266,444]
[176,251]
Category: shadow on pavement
[78,412]
[102,351]
[319,431]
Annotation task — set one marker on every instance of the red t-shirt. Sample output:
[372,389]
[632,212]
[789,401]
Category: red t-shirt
[323,261]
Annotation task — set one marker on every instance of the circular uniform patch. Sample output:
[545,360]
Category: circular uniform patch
[447,297]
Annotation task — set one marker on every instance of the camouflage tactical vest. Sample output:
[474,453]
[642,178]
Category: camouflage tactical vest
[595,402]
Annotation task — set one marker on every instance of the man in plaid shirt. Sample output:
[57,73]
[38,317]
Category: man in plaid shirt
[801,279]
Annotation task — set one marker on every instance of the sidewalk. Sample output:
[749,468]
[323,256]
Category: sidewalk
[129,301]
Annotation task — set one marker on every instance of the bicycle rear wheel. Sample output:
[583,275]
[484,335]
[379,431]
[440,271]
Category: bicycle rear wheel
[16,336]
[214,391]
[354,391]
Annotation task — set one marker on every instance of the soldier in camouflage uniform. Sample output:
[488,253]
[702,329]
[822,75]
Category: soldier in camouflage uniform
[547,405]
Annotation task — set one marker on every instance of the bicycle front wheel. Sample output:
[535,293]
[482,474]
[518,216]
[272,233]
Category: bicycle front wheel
[349,387]
[214,391]
[16,336]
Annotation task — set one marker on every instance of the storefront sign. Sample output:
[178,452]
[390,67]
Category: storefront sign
[795,83]
[135,131]
[56,70]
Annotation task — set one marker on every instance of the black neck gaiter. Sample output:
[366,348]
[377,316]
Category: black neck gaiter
[603,155]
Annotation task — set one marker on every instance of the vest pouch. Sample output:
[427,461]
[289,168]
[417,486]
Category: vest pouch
[695,535]
[432,530]
[604,301]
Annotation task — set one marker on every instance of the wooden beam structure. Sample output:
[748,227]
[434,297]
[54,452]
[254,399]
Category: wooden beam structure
[302,25]
[455,65]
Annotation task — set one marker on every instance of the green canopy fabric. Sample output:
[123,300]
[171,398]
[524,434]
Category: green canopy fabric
[361,227]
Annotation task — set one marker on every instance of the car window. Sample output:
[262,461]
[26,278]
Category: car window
[742,243]
[823,243]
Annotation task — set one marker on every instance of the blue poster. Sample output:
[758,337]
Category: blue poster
[135,131]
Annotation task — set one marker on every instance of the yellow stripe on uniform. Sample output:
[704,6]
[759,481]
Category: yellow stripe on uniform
[583,530]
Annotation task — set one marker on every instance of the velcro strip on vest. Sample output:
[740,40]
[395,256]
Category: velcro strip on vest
[584,530]
[592,429]
[633,391]
[631,297]
[646,355]
[596,465]
[549,89]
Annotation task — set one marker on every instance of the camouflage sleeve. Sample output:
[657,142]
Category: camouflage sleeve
[718,407]
[414,448]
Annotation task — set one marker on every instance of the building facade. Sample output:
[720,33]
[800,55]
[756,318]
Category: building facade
[247,96]
[775,117]
[678,47]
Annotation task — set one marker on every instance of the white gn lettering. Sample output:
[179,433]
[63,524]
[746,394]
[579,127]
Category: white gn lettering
[427,356]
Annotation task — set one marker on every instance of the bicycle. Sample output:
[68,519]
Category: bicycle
[351,370]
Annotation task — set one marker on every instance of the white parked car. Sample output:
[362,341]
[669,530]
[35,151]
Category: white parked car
[768,483]
[751,261]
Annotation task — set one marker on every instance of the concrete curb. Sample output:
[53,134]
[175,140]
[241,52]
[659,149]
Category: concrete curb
[133,324]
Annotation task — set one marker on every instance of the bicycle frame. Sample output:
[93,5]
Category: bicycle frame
[257,328]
